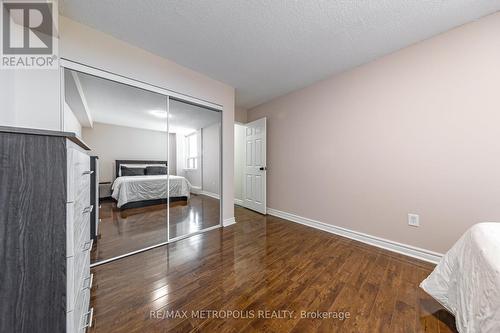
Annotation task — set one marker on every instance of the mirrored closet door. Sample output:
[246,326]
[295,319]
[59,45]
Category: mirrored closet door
[195,180]
[156,162]
[126,128]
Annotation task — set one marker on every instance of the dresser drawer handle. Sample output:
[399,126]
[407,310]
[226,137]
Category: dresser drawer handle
[88,209]
[90,280]
[88,318]
[87,245]
[88,172]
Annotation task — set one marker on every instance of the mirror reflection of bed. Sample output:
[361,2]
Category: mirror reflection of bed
[156,168]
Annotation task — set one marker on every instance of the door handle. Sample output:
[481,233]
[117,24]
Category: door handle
[263,168]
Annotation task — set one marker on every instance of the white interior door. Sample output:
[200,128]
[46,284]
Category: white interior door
[254,183]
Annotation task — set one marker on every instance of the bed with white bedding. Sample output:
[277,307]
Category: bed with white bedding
[129,189]
[467,279]
[134,186]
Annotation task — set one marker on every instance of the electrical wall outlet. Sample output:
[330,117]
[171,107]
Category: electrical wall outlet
[413,220]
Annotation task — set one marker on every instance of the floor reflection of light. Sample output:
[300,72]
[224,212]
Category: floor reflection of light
[189,220]
[185,250]
[193,221]
[158,297]
[160,291]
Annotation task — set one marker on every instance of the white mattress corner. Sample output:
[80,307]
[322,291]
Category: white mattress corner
[467,279]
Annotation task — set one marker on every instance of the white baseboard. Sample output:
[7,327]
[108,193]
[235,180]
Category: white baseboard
[196,189]
[228,222]
[210,194]
[238,202]
[408,250]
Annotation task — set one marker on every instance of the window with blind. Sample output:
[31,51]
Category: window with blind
[192,151]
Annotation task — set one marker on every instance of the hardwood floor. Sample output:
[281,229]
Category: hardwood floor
[265,264]
[137,228]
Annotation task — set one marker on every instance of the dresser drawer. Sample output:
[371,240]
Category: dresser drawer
[82,191]
[78,278]
[82,227]
[81,269]
[80,318]
[77,227]
[82,311]
[78,264]
[78,243]
[78,170]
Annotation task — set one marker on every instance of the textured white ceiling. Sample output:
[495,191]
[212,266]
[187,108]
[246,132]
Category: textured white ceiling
[118,104]
[266,48]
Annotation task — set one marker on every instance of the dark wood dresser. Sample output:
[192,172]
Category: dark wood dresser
[45,240]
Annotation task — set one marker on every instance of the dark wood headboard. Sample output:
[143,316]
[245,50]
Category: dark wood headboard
[118,163]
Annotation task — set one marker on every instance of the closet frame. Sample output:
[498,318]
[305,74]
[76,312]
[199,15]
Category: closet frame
[67,64]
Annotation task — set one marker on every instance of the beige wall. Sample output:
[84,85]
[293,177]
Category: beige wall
[239,160]
[30,98]
[111,143]
[90,47]
[417,131]
[240,115]
[211,159]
